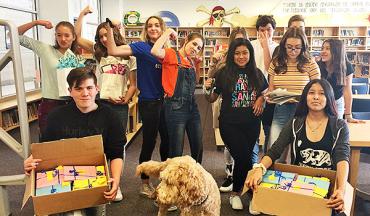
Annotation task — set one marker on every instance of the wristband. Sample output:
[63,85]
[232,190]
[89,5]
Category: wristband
[260,165]
[348,116]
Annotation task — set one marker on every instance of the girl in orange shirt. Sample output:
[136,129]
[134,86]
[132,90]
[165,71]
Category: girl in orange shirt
[179,78]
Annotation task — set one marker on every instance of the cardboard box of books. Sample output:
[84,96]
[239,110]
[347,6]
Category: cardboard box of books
[294,197]
[75,152]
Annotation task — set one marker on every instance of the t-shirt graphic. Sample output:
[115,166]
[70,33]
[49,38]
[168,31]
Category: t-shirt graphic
[243,95]
[315,158]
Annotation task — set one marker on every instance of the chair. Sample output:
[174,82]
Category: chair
[360,105]
[360,88]
[360,80]
[361,115]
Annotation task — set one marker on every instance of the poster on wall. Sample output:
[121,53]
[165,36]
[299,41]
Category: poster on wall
[169,18]
[217,16]
[132,18]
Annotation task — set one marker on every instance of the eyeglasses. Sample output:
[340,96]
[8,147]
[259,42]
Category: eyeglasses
[291,49]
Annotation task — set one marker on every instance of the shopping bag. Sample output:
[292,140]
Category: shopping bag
[62,74]
[113,81]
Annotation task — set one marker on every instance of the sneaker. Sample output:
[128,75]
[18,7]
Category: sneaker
[251,211]
[147,190]
[170,209]
[236,202]
[227,186]
[119,195]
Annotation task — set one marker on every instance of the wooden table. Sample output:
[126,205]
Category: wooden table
[359,137]
[361,96]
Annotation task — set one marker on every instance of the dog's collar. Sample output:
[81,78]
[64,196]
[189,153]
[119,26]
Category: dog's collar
[201,201]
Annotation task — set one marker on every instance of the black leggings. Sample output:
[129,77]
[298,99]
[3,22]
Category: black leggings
[240,140]
[152,115]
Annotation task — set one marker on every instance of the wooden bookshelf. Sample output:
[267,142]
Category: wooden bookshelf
[9,119]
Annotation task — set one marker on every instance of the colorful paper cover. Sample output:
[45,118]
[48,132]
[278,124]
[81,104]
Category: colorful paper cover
[302,188]
[285,185]
[47,178]
[85,172]
[98,182]
[100,171]
[268,185]
[59,188]
[274,176]
[69,173]
[81,184]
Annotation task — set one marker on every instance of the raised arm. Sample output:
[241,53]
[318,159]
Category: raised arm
[84,43]
[25,27]
[158,50]
[113,50]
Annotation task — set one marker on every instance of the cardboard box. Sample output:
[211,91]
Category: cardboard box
[278,202]
[75,151]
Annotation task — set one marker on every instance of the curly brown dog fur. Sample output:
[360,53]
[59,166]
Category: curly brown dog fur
[184,183]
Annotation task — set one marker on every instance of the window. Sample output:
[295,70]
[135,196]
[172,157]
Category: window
[91,21]
[19,12]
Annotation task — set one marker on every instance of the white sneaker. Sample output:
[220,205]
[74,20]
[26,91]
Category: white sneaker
[251,211]
[236,202]
[147,190]
[227,186]
[170,209]
[119,195]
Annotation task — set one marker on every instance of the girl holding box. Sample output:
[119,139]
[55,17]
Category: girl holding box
[315,128]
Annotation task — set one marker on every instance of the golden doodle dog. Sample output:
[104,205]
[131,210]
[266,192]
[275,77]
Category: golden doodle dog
[184,183]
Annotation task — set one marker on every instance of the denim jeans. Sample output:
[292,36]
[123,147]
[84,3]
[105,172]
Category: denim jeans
[282,114]
[340,107]
[121,110]
[183,118]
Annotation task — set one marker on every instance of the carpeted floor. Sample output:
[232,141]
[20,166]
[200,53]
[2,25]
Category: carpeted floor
[136,205]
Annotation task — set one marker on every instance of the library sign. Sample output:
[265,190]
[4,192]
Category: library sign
[325,7]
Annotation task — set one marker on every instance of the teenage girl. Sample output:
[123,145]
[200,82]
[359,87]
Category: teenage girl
[179,79]
[149,73]
[65,44]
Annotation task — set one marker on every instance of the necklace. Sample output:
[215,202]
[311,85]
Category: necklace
[314,130]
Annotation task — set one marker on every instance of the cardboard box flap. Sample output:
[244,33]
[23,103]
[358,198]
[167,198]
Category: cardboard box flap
[348,199]
[29,190]
[92,145]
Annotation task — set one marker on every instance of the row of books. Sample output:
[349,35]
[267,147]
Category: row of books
[10,118]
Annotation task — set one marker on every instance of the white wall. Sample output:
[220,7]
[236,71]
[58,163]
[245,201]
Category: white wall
[317,12]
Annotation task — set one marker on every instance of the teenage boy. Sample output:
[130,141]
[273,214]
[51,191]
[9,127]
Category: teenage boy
[84,117]
[263,47]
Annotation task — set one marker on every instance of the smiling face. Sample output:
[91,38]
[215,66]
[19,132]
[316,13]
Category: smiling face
[326,53]
[193,47]
[64,37]
[316,99]
[154,29]
[293,48]
[84,95]
[241,56]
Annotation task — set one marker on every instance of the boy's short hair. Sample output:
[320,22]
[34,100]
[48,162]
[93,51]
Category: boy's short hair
[263,20]
[77,75]
[295,18]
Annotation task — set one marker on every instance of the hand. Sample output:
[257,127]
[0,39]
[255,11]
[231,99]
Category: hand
[352,120]
[263,39]
[29,164]
[88,9]
[47,24]
[110,195]
[172,34]
[336,200]
[258,106]
[208,83]
[253,180]
[121,100]
[217,57]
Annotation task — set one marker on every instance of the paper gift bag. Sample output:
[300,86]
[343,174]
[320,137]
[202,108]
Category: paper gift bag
[111,86]
[62,74]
